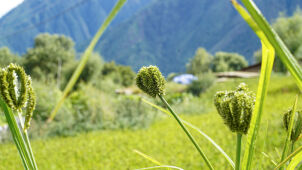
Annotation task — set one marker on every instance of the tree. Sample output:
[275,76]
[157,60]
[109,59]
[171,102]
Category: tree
[200,62]
[49,54]
[224,61]
[90,73]
[6,57]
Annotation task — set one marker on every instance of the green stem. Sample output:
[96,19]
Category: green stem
[187,132]
[26,139]
[292,147]
[238,151]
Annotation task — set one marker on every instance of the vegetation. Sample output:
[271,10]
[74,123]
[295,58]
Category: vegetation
[89,103]
[224,61]
[163,140]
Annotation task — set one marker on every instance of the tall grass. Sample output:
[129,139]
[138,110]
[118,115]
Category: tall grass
[270,42]
[76,74]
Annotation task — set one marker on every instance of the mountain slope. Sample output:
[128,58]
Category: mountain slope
[78,19]
[167,33]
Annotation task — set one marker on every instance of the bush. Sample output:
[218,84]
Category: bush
[202,84]
[132,113]
[122,75]
[224,61]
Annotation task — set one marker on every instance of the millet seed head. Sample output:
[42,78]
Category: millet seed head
[151,81]
[236,107]
[297,126]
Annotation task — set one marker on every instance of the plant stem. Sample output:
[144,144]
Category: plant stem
[238,151]
[26,139]
[187,132]
[292,147]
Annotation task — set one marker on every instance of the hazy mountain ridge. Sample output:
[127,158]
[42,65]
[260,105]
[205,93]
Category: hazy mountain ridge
[164,33]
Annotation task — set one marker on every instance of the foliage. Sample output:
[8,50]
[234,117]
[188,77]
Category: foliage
[123,75]
[91,72]
[49,54]
[204,82]
[200,63]
[98,150]
[290,31]
[224,61]
[6,57]
[132,113]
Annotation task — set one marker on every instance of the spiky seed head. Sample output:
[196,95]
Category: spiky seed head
[151,81]
[236,107]
[297,126]
[16,90]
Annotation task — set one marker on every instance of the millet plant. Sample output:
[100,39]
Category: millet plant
[235,108]
[150,80]
[17,95]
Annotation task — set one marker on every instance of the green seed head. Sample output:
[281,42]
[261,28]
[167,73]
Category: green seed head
[150,80]
[236,107]
[297,126]
[16,90]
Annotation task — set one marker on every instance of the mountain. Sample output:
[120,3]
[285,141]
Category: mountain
[168,32]
[158,32]
[78,19]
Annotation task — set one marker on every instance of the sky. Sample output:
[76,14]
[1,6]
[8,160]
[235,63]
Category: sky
[7,5]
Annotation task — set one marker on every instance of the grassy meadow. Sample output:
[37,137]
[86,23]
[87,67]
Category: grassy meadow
[164,140]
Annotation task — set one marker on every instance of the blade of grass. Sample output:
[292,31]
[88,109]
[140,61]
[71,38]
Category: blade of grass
[230,161]
[76,74]
[281,50]
[17,137]
[269,157]
[295,161]
[289,131]
[147,157]
[297,151]
[268,56]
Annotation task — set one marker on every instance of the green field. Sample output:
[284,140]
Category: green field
[164,140]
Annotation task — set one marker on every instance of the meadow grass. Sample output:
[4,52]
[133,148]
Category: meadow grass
[163,140]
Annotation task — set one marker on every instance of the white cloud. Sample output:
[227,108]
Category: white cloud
[7,5]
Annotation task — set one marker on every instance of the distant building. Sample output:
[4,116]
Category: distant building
[252,68]
[184,79]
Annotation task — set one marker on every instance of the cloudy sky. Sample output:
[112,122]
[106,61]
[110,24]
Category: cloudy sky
[7,5]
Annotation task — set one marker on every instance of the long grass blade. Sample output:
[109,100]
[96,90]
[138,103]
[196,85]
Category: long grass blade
[281,50]
[297,151]
[17,137]
[268,56]
[295,161]
[230,161]
[289,131]
[86,56]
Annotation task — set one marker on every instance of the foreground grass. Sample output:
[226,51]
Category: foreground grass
[164,140]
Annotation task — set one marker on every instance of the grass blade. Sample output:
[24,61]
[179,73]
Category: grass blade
[268,56]
[289,131]
[147,157]
[298,151]
[17,137]
[281,50]
[295,161]
[230,161]
[86,56]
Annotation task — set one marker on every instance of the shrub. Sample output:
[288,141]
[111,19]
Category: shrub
[224,61]
[132,113]
[202,84]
